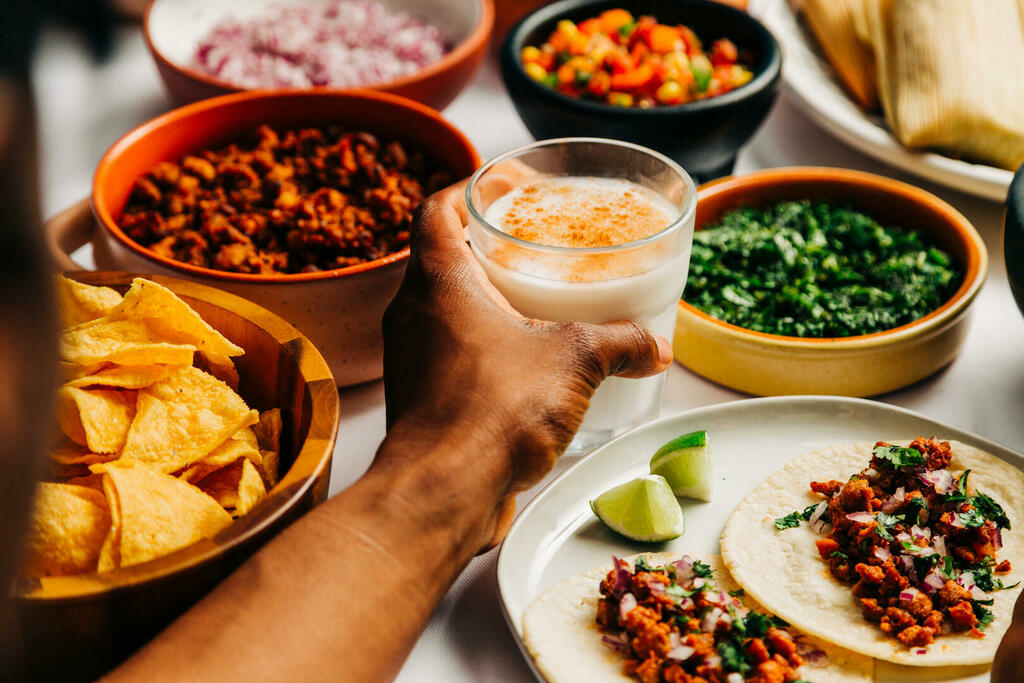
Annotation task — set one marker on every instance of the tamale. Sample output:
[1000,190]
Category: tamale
[833,23]
[948,75]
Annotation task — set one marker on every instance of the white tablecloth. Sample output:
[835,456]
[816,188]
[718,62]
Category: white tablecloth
[84,107]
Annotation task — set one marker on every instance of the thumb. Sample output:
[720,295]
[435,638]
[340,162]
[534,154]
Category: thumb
[628,349]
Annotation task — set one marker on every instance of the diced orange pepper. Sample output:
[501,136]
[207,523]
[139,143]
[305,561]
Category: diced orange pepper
[633,80]
[693,45]
[614,19]
[579,44]
[663,39]
[619,63]
[559,41]
[566,74]
[724,53]
[590,26]
[600,83]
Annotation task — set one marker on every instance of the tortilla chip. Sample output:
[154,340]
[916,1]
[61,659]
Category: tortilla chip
[123,376]
[79,303]
[171,318]
[237,487]
[561,634]
[235,448]
[182,418]
[110,551]
[268,434]
[73,371]
[218,365]
[784,572]
[158,513]
[70,453]
[67,529]
[97,418]
[123,342]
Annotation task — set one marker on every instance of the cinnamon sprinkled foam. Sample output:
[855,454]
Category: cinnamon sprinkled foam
[581,212]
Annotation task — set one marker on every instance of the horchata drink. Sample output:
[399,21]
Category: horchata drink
[588,230]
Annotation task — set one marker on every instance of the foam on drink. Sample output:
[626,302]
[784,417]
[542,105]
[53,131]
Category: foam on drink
[581,212]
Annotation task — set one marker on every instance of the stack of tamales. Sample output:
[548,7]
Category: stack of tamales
[949,73]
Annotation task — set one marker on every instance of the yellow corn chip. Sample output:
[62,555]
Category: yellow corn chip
[237,487]
[67,530]
[124,376]
[171,318]
[80,303]
[223,455]
[69,453]
[110,551]
[158,513]
[268,435]
[124,342]
[182,418]
[97,418]
[73,371]
[220,366]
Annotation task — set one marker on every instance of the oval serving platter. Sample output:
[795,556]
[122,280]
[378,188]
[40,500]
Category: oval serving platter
[557,535]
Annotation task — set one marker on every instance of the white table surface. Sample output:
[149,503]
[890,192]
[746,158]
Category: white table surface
[84,106]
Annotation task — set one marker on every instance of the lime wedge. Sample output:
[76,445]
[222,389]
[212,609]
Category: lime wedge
[642,510]
[685,463]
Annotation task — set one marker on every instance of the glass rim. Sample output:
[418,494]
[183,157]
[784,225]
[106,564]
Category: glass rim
[686,213]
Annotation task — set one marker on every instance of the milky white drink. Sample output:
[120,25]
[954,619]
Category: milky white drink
[610,281]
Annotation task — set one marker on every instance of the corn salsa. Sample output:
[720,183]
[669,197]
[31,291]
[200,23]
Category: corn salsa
[633,62]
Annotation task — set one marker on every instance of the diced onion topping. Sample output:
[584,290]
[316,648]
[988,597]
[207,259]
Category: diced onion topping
[940,545]
[684,568]
[933,582]
[681,653]
[734,677]
[710,620]
[881,553]
[908,594]
[919,533]
[861,517]
[627,603]
[622,577]
[617,642]
[871,473]
[818,512]
[941,480]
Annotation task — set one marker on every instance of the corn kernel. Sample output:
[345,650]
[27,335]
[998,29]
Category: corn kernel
[535,71]
[531,54]
[669,92]
[567,28]
[620,99]
[740,76]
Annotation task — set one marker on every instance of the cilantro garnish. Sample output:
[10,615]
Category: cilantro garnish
[733,657]
[738,593]
[961,489]
[677,591]
[640,565]
[983,578]
[808,511]
[840,554]
[948,571]
[924,564]
[702,570]
[972,518]
[756,624]
[990,509]
[790,521]
[778,623]
[898,456]
[983,614]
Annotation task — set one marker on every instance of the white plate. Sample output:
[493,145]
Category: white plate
[809,81]
[556,536]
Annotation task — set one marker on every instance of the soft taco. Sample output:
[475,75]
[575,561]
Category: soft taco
[897,551]
[666,618]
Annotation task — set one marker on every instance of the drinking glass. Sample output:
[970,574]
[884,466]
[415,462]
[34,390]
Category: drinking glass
[640,280]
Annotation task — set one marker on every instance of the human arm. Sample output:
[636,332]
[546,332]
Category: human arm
[480,403]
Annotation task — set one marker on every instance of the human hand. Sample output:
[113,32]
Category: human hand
[463,368]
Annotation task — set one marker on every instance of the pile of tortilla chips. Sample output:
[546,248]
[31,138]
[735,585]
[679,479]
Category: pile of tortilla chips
[157,449]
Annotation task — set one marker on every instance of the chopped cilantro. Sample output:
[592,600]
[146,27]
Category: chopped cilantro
[961,489]
[983,578]
[983,614]
[948,571]
[702,570]
[733,657]
[641,565]
[808,511]
[790,521]
[840,554]
[778,623]
[677,591]
[738,593]
[972,518]
[897,456]
[883,533]
[924,564]
[990,509]
[756,624]
[886,523]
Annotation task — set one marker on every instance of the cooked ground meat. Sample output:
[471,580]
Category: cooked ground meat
[292,202]
[916,543]
[673,626]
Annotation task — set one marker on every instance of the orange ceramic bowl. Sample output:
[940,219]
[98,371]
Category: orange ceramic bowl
[865,365]
[173,29]
[339,310]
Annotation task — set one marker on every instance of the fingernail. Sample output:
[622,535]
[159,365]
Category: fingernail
[665,355]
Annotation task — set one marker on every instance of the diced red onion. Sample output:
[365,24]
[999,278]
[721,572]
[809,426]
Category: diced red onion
[861,517]
[821,527]
[870,473]
[617,642]
[966,579]
[734,677]
[940,545]
[957,523]
[687,604]
[714,661]
[919,533]
[674,639]
[909,594]
[656,587]
[908,562]
[997,539]
[893,501]
[710,620]
[680,653]
[684,568]
[933,582]
[815,656]
[903,536]
[882,553]
[818,512]
[919,650]
[726,619]
[627,603]
[941,480]
[698,582]
[622,577]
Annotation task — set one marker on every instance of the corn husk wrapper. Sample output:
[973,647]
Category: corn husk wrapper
[834,24]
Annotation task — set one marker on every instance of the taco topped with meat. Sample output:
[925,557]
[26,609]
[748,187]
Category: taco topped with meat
[901,552]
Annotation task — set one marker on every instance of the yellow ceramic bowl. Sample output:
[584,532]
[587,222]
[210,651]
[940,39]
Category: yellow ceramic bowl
[767,364]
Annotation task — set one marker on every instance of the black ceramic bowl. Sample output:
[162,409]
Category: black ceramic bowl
[703,136]
[1013,238]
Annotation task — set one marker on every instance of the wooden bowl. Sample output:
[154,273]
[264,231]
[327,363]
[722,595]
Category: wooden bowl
[77,627]
[339,310]
[866,365]
[173,29]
